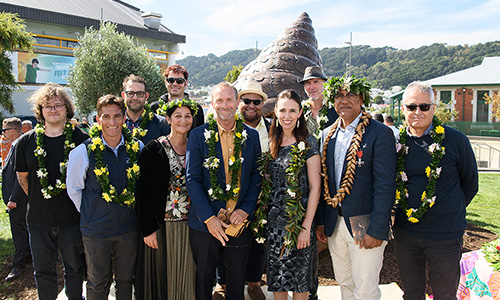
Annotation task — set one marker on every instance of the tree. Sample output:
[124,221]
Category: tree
[233,74]
[105,57]
[495,104]
[443,113]
[13,36]
[378,99]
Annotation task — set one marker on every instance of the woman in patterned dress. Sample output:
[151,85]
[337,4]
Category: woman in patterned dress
[290,269]
[166,265]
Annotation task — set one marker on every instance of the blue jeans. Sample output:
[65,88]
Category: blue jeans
[45,241]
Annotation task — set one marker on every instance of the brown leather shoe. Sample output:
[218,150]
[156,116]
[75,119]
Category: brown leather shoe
[255,292]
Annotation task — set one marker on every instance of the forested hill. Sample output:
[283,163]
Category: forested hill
[383,67]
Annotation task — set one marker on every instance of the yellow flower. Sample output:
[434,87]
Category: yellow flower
[413,220]
[398,195]
[423,196]
[432,204]
[440,129]
[102,147]
[128,147]
[216,137]
[135,168]
[409,212]
[129,173]
[236,190]
[98,172]
[428,171]
[238,135]
[112,191]
[143,133]
[63,186]
[124,191]
[106,197]
[92,147]
[136,147]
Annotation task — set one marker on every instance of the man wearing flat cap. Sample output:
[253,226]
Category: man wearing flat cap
[317,113]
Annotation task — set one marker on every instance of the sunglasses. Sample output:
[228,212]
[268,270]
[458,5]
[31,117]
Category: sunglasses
[248,101]
[178,80]
[5,129]
[140,94]
[423,106]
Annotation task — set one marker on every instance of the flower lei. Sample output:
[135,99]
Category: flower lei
[49,191]
[212,163]
[432,171]
[101,169]
[141,131]
[350,84]
[348,179]
[164,107]
[322,114]
[294,209]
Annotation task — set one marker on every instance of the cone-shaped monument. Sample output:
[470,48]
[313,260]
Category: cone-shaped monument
[281,65]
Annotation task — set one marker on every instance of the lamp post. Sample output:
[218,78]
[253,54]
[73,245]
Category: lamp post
[350,54]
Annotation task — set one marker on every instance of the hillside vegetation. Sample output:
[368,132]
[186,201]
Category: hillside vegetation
[383,67]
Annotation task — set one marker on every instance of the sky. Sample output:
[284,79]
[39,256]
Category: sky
[219,26]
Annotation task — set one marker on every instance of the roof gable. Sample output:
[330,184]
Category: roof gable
[487,73]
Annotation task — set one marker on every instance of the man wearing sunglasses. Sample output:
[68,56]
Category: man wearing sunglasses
[176,79]
[135,96]
[15,199]
[430,216]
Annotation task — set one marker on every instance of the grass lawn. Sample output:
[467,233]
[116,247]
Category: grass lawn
[484,210]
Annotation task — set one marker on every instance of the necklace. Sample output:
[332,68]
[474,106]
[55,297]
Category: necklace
[294,209]
[352,153]
[141,131]
[322,118]
[48,191]
[212,163]
[432,172]
[101,171]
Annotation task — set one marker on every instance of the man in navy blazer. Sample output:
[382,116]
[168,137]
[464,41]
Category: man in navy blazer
[359,159]
[208,236]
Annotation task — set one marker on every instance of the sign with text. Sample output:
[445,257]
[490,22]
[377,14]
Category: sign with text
[42,68]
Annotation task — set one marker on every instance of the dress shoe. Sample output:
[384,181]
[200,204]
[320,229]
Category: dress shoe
[14,274]
[255,292]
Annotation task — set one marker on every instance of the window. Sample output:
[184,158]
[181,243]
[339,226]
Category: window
[445,96]
[482,107]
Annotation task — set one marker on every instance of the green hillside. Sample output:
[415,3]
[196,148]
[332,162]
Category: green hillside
[383,67]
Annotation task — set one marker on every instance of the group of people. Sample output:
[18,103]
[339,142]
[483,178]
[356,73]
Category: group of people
[161,199]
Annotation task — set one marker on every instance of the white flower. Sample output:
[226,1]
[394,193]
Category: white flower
[207,135]
[290,193]
[433,147]
[302,146]
[245,135]
[404,177]
[40,174]
[438,171]
[242,159]
[264,221]
[261,240]
[228,187]
[398,147]
[210,192]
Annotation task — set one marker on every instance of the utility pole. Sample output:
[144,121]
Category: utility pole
[350,55]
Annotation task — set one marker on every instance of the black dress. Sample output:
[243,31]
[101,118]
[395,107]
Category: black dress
[290,271]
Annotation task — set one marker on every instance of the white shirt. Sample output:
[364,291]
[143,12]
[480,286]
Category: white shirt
[342,144]
[263,135]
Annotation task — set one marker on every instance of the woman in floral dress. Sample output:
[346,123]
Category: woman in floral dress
[295,178]
[166,266]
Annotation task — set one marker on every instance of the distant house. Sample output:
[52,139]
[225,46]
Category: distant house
[464,91]
[56,25]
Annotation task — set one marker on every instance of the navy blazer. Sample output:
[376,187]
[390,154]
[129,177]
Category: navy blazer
[374,188]
[198,177]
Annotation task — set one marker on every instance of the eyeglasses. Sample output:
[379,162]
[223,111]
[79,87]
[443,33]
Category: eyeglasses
[171,80]
[423,106]
[53,107]
[5,129]
[140,94]
[248,101]
[349,96]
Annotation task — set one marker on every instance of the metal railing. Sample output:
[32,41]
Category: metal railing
[487,156]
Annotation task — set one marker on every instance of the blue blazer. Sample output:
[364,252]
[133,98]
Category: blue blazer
[374,188]
[198,177]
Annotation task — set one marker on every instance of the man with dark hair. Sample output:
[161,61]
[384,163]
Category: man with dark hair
[434,188]
[101,182]
[15,200]
[389,122]
[53,221]
[143,122]
[31,70]
[359,163]
[221,207]
[176,80]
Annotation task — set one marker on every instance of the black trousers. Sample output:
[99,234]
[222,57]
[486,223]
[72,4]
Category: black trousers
[442,257]
[207,251]
[19,231]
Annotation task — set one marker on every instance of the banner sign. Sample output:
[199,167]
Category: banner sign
[42,68]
